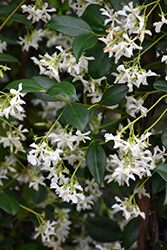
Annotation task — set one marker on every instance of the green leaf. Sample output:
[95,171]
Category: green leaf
[8,40]
[28,85]
[96,161]
[7,9]
[63,87]
[82,43]
[22,18]
[8,58]
[162,170]
[9,204]
[114,95]
[28,246]
[94,18]
[157,183]
[46,83]
[165,201]
[76,114]
[160,85]
[131,232]
[154,65]
[160,245]
[118,5]
[102,63]
[40,195]
[69,25]
[103,229]
[164,137]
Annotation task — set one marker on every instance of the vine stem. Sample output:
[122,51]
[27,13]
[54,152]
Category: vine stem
[13,12]
[138,118]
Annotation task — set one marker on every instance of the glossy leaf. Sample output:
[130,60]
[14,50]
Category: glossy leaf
[160,85]
[162,171]
[28,85]
[96,161]
[8,40]
[92,15]
[160,245]
[40,195]
[154,65]
[82,43]
[164,137]
[22,18]
[157,183]
[28,246]
[165,201]
[118,4]
[9,204]
[114,95]
[46,83]
[69,25]
[7,9]
[103,229]
[63,87]
[8,58]
[102,63]
[76,114]
[131,232]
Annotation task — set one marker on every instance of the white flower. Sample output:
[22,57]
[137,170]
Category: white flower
[62,228]
[63,140]
[3,174]
[37,14]
[159,24]
[3,46]
[164,59]
[82,137]
[129,210]
[31,40]
[12,140]
[43,155]
[46,230]
[68,192]
[134,106]
[35,180]
[133,159]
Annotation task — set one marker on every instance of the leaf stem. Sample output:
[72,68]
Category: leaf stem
[13,12]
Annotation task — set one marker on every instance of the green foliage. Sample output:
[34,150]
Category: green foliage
[162,170]
[164,137]
[92,15]
[131,232]
[82,43]
[117,5]
[76,114]
[161,85]
[28,85]
[69,25]
[9,204]
[63,87]
[103,229]
[96,161]
[8,58]
[101,65]
[40,195]
[114,95]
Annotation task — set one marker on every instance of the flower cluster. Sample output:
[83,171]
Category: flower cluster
[129,210]
[12,106]
[124,23]
[133,76]
[31,40]
[133,159]
[37,14]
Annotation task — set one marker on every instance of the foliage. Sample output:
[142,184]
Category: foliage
[83,132]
